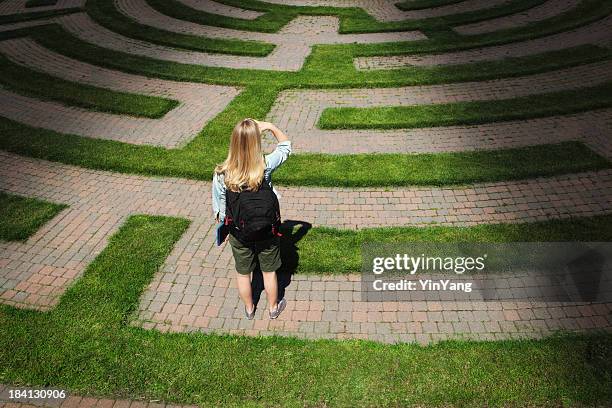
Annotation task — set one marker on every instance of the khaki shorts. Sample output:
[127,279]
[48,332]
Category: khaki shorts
[246,257]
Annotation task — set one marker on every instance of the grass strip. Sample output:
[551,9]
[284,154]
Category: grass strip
[424,4]
[338,251]
[440,169]
[89,349]
[352,19]
[40,3]
[22,216]
[357,24]
[198,158]
[330,67]
[29,82]
[327,66]
[276,15]
[358,170]
[469,113]
[587,12]
[19,17]
[106,14]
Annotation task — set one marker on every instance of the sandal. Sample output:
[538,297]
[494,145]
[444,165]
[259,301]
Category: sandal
[279,308]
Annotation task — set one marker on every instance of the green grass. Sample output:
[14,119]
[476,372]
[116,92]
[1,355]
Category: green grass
[587,12]
[328,66]
[106,14]
[359,170]
[364,170]
[468,113]
[84,345]
[352,20]
[197,159]
[29,82]
[424,4]
[334,251]
[40,3]
[21,216]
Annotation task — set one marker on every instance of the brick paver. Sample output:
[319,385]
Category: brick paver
[592,128]
[597,33]
[293,43]
[301,30]
[385,10]
[213,7]
[75,401]
[549,9]
[18,6]
[195,287]
[199,103]
[298,111]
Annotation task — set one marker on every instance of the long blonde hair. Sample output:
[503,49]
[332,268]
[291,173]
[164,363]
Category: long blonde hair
[244,166]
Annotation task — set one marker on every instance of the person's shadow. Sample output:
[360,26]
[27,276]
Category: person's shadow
[289,257]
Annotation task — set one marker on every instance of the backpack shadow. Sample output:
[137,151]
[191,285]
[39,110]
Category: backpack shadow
[290,258]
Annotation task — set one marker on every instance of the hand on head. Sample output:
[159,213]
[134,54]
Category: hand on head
[263,125]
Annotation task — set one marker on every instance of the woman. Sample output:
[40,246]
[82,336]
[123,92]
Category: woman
[247,170]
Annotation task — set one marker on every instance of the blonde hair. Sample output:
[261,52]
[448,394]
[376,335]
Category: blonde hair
[244,166]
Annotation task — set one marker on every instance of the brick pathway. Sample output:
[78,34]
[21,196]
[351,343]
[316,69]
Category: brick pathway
[285,57]
[293,42]
[549,9]
[385,10]
[18,6]
[298,111]
[301,30]
[195,288]
[597,33]
[199,103]
[295,110]
[74,401]
[592,128]
[23,24]
[221,9]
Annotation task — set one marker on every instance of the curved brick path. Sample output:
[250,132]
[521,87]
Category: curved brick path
[199,103]
[221,9]
[302,29]
[549,9]
[292,42]
[593,128]
[299,111]
[597,33]
[18,6]
[385,10]
[287,56]
[296,110]
[194,289]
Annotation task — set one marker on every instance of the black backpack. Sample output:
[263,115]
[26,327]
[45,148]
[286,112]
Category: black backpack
[253,215]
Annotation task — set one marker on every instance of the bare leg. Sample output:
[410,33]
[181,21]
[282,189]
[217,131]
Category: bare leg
[271,286]
[245,291]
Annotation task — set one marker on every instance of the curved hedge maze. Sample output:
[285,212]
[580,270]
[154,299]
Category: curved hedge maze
[462,120]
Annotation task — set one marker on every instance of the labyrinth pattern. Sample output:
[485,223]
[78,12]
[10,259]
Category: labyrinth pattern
[213,58]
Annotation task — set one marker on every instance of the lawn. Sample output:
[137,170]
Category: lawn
[86,345]
[329,66]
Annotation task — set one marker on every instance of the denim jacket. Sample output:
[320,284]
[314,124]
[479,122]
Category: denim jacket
[273,161]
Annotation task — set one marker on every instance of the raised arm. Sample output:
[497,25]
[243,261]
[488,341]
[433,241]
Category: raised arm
[278,134]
